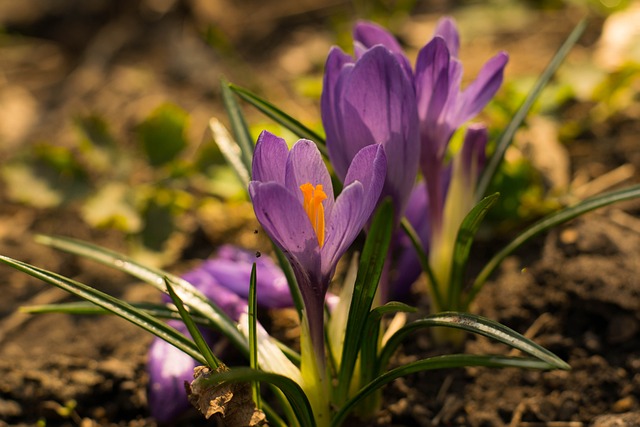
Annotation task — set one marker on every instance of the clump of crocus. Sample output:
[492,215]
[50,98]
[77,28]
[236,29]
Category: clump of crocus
[293,200]
[378,98]
[225,280]
[442,109]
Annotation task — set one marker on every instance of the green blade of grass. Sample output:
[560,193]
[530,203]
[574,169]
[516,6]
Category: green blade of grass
[369,352]
[474,324]
[238,125]
[253,333]
[545,224]
[507,135]
[279,116]
[155,277]
[296,296]
[434,289]
[462,248]
[370,268]
[438,362]
[231,151]
[86,308]
[112,304]
[156,310]
[198,339]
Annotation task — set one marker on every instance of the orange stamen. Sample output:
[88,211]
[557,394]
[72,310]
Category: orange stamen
[312,203]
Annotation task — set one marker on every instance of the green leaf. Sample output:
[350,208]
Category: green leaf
[162,134]
[369,351]
[370,268]
[438,362]
[475,324]
[238,125]
[253,333]
[434,289]
[231,151]
[296,295]
[114,305]
[155,277]
[545,224]
[280,116]
[507,135]
[161,311]
[462,248]
[294,393]
[86,308]
[212,360]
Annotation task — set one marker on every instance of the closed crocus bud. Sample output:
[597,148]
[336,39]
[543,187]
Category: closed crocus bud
[371,100]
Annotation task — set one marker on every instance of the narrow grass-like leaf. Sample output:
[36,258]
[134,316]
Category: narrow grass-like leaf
[121,308]
[462,248]
[434,289]
[370,268]
[161,311]
[156,310]
[504,140]
[545,224]
[369,351]
[155,277]
[294,393]
[205,350]
[477,325]
[279,116]
[253,333]
[438,362]
[238,124]
[291,280]
[230,150]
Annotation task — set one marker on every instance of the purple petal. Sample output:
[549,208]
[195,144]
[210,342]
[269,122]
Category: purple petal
[446,28]
[331,119]
[228,301]
[483,88]
[269,158]
[346,223]
[432,80]
[378,106]
[285,221]
[367,35]
[232,269]
[370,34]
[474,152]
[369,167]
[168,369]
[305,165]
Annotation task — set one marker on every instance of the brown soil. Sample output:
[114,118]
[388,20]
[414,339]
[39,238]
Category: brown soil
[575,291]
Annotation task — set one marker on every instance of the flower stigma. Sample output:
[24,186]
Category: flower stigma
[313,197]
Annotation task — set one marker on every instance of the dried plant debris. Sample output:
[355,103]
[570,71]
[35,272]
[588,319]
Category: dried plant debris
[232,402]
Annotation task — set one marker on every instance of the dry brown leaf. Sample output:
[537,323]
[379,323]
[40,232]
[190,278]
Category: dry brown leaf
[232,402]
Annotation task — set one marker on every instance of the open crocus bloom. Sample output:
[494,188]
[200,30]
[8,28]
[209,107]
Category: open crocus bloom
[293,200]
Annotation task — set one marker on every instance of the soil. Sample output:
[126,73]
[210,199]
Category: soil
[575,291]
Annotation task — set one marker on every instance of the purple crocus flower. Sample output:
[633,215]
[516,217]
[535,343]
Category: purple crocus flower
[225,281]
[443,107]
[371,100]
[293,200]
